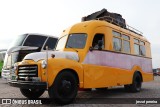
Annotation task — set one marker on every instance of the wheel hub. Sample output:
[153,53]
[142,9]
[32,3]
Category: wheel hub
[66,87]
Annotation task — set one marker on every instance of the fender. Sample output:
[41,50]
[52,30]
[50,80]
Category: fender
[56,65]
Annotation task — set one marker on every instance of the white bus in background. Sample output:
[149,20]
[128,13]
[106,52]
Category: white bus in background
[2,54]
[23,45]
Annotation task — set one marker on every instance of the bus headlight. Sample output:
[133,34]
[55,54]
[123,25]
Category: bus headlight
[44,64]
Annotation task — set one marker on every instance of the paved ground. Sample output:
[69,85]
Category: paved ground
[97,98]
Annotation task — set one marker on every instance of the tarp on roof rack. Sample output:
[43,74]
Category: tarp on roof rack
[103,14]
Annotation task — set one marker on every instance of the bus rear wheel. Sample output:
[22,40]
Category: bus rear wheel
[64,89]
[32,93]
[136,84]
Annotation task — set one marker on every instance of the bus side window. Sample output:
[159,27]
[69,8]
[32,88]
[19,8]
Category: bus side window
[51,42]
[117,41]
[97,38]
[139,48]
[126,44]
[142,49]
[136,47]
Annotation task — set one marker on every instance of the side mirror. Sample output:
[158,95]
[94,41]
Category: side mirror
[91,48]
[100,43]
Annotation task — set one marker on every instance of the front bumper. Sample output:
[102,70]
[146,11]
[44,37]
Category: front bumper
[28,84]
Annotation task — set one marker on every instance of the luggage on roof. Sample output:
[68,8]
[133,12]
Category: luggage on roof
[113,18]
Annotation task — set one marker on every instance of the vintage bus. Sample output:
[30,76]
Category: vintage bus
[23,45]
[90,54]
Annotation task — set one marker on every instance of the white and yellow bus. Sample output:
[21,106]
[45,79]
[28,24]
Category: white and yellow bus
[90,54]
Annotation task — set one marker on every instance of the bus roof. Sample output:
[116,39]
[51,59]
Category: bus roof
[88,26]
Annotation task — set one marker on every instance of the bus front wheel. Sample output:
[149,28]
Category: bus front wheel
[65,88]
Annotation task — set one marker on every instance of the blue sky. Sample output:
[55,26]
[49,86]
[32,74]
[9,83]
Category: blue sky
[53,16]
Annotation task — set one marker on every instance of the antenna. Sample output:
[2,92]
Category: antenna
[47,65]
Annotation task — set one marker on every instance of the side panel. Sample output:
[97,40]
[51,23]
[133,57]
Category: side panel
[99,76]
[105,68]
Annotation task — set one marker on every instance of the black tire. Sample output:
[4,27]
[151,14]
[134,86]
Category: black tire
[32,93]
[64,89]
[127,88]
[136,84]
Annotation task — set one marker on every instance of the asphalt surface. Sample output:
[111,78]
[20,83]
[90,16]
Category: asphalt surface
[115,96]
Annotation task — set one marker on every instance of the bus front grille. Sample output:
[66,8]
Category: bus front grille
[27,72]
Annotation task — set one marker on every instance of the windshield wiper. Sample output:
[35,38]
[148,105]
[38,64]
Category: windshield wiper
[72,48]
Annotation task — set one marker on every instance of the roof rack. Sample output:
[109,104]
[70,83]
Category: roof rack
[134,30]
[119,23]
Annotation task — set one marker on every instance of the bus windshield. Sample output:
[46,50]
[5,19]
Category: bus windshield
[35,40]
[76,41]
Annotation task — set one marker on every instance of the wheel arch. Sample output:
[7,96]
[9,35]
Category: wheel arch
[137,69]
[61,65]
[72,71]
